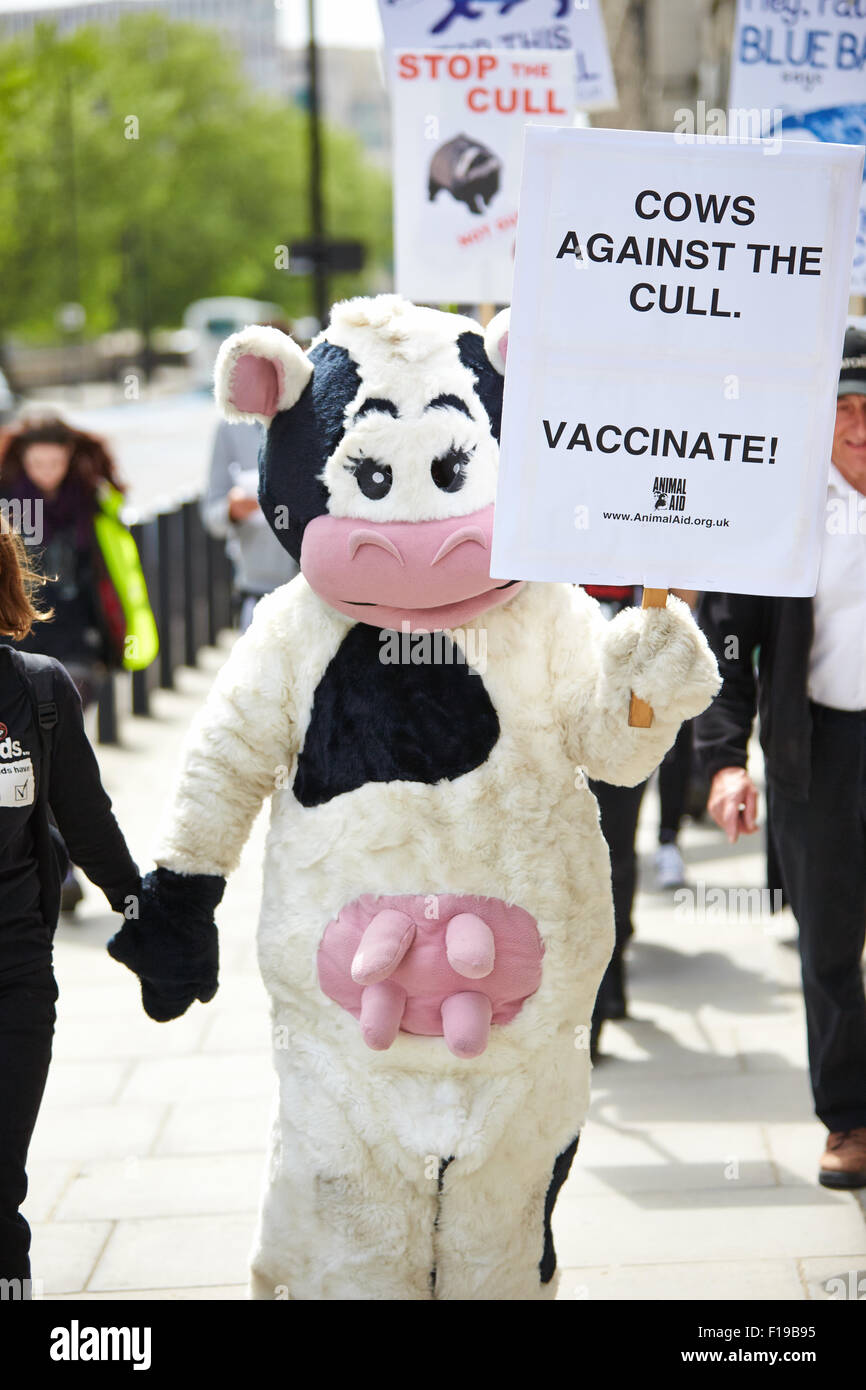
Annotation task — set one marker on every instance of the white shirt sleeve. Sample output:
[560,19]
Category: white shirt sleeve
[837,660]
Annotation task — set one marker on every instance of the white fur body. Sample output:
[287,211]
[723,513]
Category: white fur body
[352,1207]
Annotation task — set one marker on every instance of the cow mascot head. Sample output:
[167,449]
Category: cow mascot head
[379,470]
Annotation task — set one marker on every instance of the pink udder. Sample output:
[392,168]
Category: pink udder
[397,967]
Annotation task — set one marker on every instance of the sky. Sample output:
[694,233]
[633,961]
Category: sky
[349,23]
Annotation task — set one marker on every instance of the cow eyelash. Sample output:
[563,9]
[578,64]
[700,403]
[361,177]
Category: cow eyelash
[448,471]
[374,479]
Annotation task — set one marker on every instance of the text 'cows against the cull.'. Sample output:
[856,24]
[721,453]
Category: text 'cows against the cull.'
[696,254]
[459,119]
[679,305]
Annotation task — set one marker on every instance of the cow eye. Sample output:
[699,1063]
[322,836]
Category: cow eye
[449,471]
[374,479]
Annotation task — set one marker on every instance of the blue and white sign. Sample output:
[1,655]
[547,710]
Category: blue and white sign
[511,24]
[802,63]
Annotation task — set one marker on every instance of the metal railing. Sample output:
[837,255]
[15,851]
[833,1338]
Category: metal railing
[189,580]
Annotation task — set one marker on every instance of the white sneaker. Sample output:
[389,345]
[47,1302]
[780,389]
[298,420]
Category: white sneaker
[670,870]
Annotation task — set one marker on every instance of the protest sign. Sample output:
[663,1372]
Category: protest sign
[458,144]
[677,325]
[803,67]
[576,26]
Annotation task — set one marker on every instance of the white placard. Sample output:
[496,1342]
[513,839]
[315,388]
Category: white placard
[803,66]
[458,145]
[689,408]
[511,25]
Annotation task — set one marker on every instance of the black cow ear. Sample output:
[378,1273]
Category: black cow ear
[496,340]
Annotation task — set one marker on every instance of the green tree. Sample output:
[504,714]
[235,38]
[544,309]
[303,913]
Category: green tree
[139,171]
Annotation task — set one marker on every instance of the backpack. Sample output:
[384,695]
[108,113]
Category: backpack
[36,674]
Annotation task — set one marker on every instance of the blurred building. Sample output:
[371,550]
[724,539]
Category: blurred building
[247,25]
[352,91]
[667,55]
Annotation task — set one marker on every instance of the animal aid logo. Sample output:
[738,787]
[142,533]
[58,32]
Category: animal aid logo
[670,493]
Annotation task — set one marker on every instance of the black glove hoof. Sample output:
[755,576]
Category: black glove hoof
[173,945]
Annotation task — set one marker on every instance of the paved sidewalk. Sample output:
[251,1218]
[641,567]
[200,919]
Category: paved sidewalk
[695,1176]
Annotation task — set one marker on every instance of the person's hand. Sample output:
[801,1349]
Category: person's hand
[733,802]
[241,505]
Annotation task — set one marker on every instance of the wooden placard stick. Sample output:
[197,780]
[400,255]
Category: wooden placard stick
[640,714]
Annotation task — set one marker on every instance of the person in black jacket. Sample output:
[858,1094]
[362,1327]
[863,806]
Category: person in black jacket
[46,763]
[811,697]
[52,473]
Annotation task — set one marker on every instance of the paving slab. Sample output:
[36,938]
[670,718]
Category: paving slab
[213,1127]
[64,1253]
[175,1253]
[163,1186]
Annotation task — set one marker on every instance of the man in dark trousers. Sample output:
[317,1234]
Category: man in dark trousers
[810,691]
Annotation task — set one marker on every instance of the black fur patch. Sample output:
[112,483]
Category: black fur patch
[300,441]
[448,400]
[374,722]
[547,1263]
[488,382]
[376,403]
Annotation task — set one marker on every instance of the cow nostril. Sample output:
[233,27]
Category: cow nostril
[466,533]
[359,538]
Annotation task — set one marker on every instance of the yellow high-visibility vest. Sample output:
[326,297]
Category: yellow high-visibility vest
[122,562]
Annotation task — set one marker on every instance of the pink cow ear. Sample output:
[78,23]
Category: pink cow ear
[496,339]
[259,372]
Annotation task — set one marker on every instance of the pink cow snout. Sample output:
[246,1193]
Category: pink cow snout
[429,573]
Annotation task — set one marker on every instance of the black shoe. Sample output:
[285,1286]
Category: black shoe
[611,992]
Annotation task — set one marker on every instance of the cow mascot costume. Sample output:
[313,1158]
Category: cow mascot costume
[436,912]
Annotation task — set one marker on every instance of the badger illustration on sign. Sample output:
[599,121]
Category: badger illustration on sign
[468,170]
[436,897]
